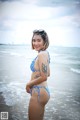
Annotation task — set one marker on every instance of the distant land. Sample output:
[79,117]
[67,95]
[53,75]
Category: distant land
[23,44]
[12,44]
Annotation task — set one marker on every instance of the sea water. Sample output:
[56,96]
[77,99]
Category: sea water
[64,81]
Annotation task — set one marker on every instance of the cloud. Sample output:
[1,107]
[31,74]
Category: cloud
[54,3]
[23,11]
[7,25]
[20,17]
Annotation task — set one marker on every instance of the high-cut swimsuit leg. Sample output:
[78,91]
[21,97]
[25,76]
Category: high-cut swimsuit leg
[37,89]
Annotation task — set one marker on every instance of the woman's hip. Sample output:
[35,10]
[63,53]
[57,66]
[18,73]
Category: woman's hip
[41,93]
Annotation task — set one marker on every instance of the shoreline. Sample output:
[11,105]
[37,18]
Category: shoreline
[64,103]
[4,107]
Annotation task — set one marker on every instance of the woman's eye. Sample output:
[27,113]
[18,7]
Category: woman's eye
[33,40]
[36,40]
[39,40]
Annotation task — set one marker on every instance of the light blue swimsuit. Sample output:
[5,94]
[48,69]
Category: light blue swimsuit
[37,88]
[32,66]
[33,63]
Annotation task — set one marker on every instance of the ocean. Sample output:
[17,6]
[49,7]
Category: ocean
[64,82]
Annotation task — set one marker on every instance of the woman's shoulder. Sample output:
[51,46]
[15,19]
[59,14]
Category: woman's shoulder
[44,55]
[41,53]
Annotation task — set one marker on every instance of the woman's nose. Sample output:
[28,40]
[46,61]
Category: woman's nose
[36,43]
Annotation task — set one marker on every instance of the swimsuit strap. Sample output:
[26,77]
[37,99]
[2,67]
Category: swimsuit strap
[33,63]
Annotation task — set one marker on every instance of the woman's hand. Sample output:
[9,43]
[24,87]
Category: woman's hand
[28,88]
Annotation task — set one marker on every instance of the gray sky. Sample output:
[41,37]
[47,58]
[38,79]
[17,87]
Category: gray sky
[60,19]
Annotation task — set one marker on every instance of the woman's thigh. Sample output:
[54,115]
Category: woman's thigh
[37,104]
[44,96]
[36,111]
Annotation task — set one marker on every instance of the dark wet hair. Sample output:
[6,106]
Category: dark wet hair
[44,36]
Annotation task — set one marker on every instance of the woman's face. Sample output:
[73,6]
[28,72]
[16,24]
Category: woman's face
[38,42]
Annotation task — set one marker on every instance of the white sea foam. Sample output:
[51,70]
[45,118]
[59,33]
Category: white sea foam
[15,54]
[13,92]
[27,55]
[75,70]
[11,53]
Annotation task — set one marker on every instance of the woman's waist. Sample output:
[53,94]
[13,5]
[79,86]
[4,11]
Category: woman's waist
[44,83]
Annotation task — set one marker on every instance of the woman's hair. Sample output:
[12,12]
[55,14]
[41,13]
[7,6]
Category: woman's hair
[43,35]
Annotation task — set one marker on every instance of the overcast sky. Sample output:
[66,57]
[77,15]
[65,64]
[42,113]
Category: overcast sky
[60,19]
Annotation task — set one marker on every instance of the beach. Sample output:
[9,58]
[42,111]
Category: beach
[63,83]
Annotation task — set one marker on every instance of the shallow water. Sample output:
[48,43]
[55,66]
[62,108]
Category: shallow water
[64,83]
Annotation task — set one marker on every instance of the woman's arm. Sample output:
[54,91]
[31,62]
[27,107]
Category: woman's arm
[43,66]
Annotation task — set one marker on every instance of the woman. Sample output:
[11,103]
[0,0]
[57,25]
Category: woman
[37,86]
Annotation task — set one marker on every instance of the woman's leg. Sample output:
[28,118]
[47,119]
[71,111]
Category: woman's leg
[37,103]
[36,111]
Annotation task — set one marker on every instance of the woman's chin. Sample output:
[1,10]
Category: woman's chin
[37,49]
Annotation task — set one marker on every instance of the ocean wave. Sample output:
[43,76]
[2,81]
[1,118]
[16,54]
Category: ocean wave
[18,54]
[75,70]
[13,92]
[15,54]
[11,53]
